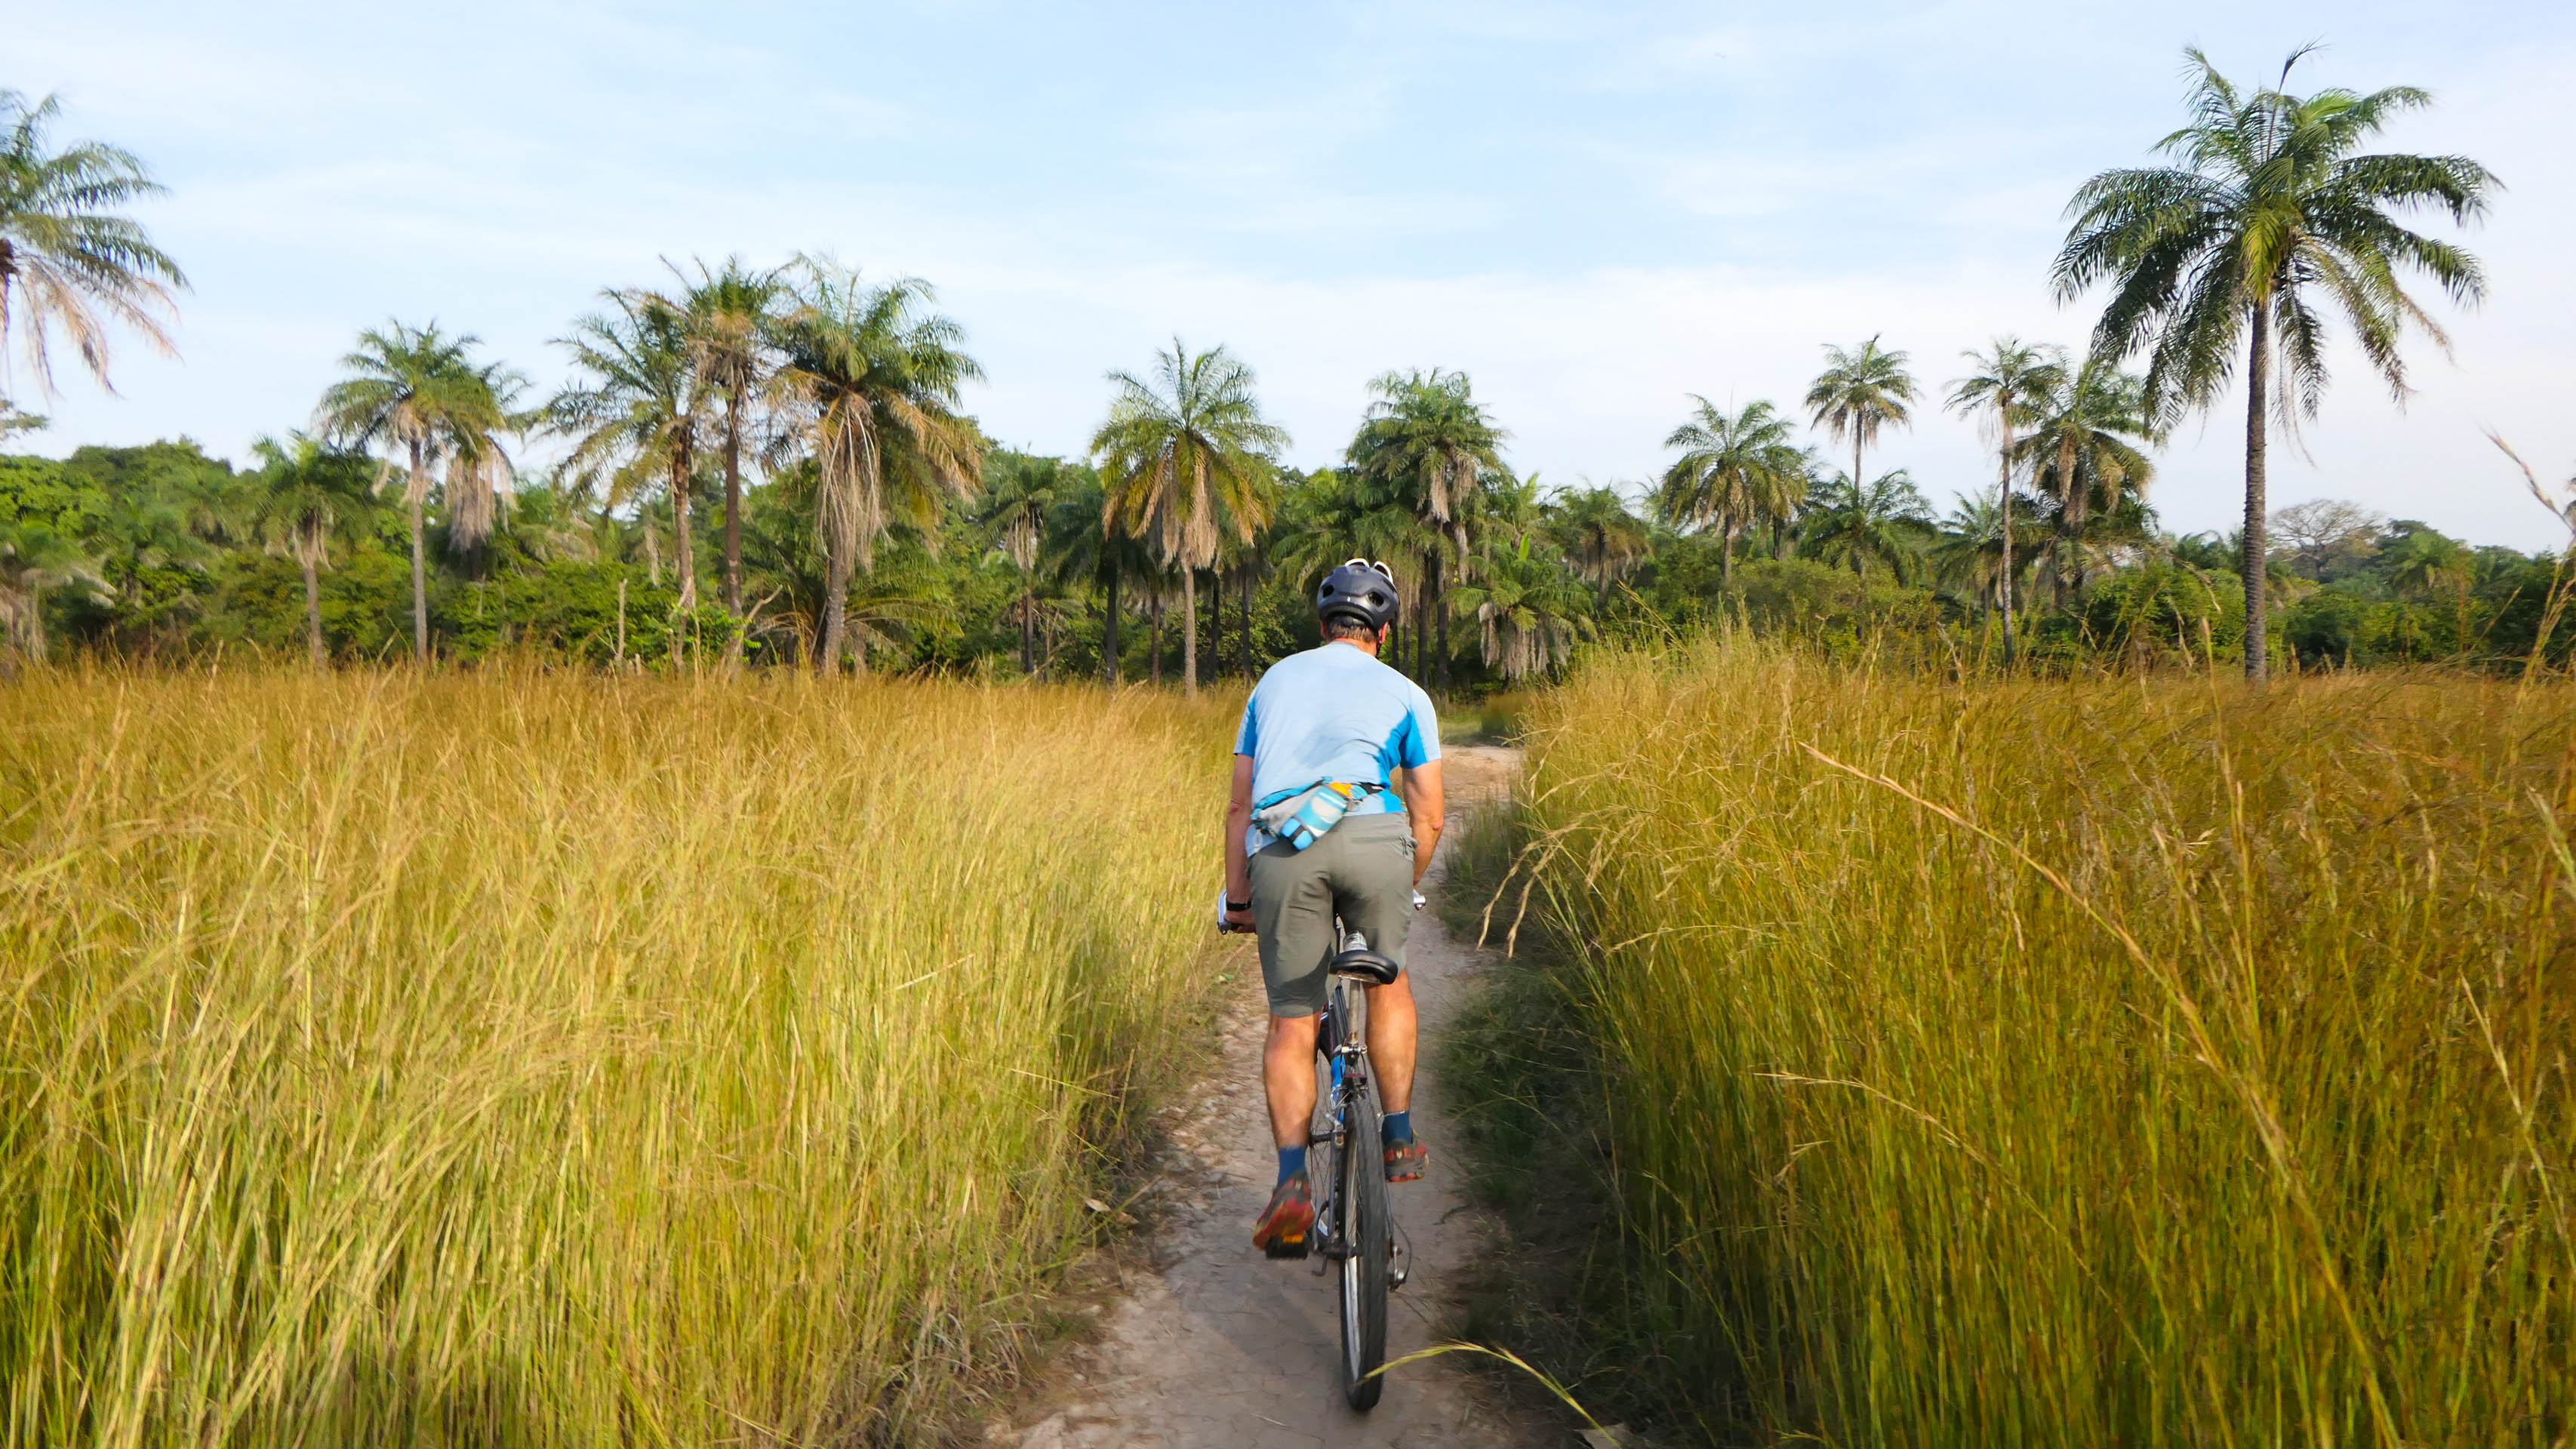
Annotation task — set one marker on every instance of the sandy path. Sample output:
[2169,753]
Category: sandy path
[1222,1347]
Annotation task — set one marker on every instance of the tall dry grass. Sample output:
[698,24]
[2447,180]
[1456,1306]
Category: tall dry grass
[541,1060]
[2120,1062]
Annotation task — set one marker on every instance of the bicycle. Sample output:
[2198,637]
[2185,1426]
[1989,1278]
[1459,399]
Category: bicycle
[1354,1224]
[1369,1252]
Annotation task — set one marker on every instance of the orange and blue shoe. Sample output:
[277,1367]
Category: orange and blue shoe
[1287,1225]
[1404,1160]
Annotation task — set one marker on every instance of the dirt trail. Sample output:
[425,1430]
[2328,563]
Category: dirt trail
[1221,1347]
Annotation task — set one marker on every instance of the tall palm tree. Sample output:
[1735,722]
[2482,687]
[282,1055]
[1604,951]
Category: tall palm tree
[67,260]
[420,393]
[1080,550]
[1601,538]
[2268,214]
[868,387]
[2086,449]
[732,317]
[639,415]
[2003,386]
[1429,440]
[1860,392]
[1183,459]
[1737,471]
[304,496]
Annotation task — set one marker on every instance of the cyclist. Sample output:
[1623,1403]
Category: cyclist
[1332,717]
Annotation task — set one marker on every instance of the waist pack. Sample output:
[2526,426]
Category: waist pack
[1302,814]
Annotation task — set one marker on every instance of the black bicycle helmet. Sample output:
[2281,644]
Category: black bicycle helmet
[1360,591]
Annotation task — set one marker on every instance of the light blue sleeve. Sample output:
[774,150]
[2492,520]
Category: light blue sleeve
[1249,736]
[1420,744]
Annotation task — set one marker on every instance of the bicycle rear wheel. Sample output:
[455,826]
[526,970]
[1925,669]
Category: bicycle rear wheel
[1361,1191]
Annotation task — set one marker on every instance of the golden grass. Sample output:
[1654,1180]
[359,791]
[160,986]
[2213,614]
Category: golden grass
[541,1060]
[2118,1062]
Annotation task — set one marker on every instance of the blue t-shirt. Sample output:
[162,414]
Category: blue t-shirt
[1334,713]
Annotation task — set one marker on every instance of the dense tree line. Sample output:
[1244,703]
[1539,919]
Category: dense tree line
[810,422]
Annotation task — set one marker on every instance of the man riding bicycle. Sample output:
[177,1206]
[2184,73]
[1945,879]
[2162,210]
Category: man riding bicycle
[1321,827]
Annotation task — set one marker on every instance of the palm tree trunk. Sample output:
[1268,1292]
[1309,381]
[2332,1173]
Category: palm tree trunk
[836,614]
[1154,641]
[312,601]
[2251,566]
[419,487]
[1725,557]
[1190,631]
[686,558]
[2004,411]
[1028,643]
[1251,666]
[1109,660]
[733,510]
[1440,619]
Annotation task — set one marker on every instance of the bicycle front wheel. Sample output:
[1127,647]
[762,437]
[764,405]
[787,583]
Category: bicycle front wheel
[1361,1188]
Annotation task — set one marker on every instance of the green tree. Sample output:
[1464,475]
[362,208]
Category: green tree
[1430,443]
[36,557]
[1738,471]
[2002,388]
[2269,214]
[2090,429]
[1859,393]
[1886,523]
[1183,459]
[303,498]
[732,321]
[420,393]
[868,387]
[1019,491]
[637,418]
[1599,536]
[68,261]
[1529,604]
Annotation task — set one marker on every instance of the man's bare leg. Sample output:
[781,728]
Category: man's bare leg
[1288,1078]
[1390,1042]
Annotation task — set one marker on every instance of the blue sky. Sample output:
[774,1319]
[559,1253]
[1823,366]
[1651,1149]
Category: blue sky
[1594,209]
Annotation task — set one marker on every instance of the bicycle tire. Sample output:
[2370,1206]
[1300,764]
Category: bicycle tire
[1362,1204]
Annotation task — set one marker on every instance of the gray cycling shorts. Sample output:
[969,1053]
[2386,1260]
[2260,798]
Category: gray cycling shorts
[1363,870]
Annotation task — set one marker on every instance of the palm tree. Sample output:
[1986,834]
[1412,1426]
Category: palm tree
[66,259]
[1019,490]
[1080,550]
[1529,604]
[732,316]
[1738,471]
[1428,440]
[1860,392]
[2003,385]
[2089,428]
[1183,460]
[2269,208]
[420,392]
[2426,562]
[868,387]
[1886,523]
[302,497]
[638,418]
[1601,538]
[36,557]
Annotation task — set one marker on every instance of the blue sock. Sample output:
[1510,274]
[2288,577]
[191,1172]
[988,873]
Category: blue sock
[1292,1160]
[1399,1126]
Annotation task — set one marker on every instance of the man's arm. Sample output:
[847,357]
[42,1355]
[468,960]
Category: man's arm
[1238,821]
[1426,804]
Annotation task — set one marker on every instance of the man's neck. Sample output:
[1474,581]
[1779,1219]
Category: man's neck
[1365,646]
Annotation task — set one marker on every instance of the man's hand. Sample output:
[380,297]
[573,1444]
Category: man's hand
[1239,920]
[1426,805]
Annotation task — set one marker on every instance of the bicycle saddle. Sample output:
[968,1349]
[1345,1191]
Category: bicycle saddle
[1375,968]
